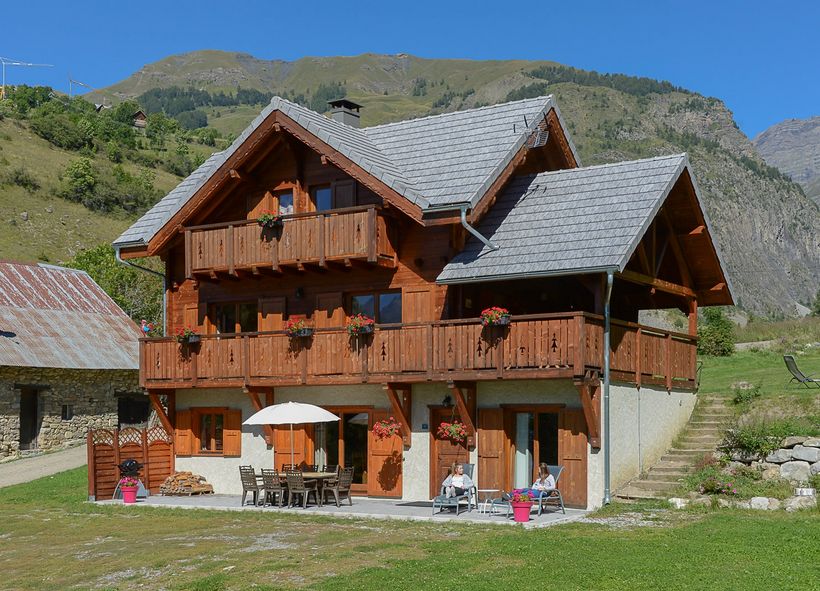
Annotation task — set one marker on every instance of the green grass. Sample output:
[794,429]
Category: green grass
[803,330]
[51,539]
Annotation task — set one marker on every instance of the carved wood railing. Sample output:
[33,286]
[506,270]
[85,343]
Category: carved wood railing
[354,233]
[535,346]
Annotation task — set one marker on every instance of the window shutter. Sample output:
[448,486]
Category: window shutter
[344,194]
[232,433]
[183,435]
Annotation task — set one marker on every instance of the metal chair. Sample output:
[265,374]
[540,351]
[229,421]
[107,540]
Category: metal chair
[249,484]
[341,487]
[298,486]
[552,494]
[289,467]
[272,486]
[797,375]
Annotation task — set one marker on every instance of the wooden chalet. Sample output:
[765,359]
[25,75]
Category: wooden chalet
[422,224]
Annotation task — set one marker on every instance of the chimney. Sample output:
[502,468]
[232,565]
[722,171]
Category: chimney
[345,111]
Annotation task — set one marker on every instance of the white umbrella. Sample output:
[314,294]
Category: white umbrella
[291,413]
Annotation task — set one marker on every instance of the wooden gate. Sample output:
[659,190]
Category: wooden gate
[108,447]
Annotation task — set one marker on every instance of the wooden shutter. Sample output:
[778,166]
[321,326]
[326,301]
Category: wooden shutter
[572,455]
[329,310]
[491,444]
[232,433]
[384,461]
[183,435]
[344,194]
[302,445]
[272,313]
[416,304]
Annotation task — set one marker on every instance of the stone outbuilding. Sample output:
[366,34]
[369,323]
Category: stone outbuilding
[68,359]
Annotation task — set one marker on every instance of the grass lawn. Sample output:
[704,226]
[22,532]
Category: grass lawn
[51,539]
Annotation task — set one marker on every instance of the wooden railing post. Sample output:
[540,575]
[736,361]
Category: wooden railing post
[323,219]
[194,368]
[580,346]
[229,251]
[371,234]
[189,262]
[668,369]
[429,338]
[638,358]
[246,359]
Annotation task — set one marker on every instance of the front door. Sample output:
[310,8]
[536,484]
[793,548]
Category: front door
[345,443]
[443,452]
[384,461]
[29,418]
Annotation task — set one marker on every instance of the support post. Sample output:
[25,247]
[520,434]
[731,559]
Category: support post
[591,405]
[256,402]
[464,394]
[153,395]
[400,397]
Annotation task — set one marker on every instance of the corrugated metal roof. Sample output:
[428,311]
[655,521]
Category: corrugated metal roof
[573,221]
[56,317]
[433,161]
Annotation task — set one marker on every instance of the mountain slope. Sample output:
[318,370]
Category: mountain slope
[767,228]
[793,146]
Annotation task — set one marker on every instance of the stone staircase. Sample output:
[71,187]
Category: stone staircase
[701,435]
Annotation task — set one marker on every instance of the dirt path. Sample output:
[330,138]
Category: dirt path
[28,469]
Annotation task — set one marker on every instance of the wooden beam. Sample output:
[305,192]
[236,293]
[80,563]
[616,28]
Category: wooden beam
[464,396]
[163,418]
[643,258]
[400,397]
[257,406]
[698,230]
[677,251]
[659,284]
[591,404]
[693,317]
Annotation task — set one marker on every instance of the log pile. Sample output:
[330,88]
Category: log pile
[185,484]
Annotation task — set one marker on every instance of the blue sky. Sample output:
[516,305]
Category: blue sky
[761,58]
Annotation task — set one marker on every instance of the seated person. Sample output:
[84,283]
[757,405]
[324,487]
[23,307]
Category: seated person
[545,481]
[457,482]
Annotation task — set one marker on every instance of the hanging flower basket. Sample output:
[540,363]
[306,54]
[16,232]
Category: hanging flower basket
[359,325]
[297,328]
[386,428]
[187,336]
[268,220]
[495,316]
[455,431]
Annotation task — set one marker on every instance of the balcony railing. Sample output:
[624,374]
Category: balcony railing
[531,347]
[343,235]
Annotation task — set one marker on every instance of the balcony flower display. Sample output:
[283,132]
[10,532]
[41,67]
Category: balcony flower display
[386,428]
[269,219]
[495,316]
[359,324]
[298,328]
[455,431]
[187,335]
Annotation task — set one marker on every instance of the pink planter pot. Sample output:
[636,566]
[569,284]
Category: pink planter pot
[521,511]
[129,494]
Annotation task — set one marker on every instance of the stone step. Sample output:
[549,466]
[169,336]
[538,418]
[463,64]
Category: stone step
[708,424]
[655,485]
[665,476]
[695,445]
[706,430]
[702,440]
[634,494]
[671,468]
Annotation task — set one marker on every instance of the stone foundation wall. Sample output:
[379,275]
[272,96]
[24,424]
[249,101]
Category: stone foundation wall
[90,393]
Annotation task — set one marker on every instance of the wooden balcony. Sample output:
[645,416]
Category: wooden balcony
[532,347]
[316,238]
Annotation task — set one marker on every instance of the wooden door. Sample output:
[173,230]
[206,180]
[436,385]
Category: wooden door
[384,462]
[272,313]
[417,304]
[329,310]
[572,455]
[490,448]
[344,194]
[302,445]
[443,452]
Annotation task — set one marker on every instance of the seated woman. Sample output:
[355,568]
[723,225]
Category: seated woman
[457,482]
[545,481]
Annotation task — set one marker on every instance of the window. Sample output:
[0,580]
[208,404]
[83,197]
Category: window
[233,317]
[322,198]
[208,431]
[211,430]
[68,412]
[384,308]
[285,203]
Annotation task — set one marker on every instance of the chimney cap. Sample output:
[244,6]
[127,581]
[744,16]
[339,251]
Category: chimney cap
[344,103]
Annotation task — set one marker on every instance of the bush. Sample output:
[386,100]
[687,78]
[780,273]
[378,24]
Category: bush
[22,178]
[746,396]
[712,485]
[716,334]
[78,181]
[759,439]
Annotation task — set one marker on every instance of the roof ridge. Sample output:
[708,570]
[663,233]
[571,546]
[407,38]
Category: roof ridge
[606,165]
[545,98]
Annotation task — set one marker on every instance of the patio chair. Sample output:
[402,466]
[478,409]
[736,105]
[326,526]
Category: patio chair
[552,495]
[249,484]
[468,470]
[442,500]
[273,487]
[298,486]
[798,375]
[290,467]
[341,487]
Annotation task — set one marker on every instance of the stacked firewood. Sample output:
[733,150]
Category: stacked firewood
[185,483]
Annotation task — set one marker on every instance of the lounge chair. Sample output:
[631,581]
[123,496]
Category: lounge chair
[298,486]
[798,375]
[552,495]
[249,484]
[341,486]
[470,495]
[273,487]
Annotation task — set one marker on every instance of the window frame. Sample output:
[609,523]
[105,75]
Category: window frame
[314,205]
[197,413]
[213,319]
[376,303]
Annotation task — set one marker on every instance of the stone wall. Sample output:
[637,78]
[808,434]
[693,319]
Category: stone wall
[92,395]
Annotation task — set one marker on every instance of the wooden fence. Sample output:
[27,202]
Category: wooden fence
[152,447]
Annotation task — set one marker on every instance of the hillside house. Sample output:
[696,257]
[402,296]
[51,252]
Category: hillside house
[139,119]
[421,225]
[68,359]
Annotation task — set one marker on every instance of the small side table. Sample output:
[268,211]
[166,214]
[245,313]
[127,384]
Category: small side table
[484,506]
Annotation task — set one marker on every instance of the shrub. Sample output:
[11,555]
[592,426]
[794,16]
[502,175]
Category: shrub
[716,334]
[758,439]
[22,178]
[78,180]
[714,486]
[746,396]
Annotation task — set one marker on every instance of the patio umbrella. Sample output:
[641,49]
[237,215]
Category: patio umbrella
[291,413]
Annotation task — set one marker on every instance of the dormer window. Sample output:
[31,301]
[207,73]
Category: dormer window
[285,199]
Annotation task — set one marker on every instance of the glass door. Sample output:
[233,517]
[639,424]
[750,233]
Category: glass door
[524,436]
[535,440]
[345,443]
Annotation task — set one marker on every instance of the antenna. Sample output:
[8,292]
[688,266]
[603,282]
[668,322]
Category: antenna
[12,62]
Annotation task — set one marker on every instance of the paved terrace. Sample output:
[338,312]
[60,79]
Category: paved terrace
[363,507]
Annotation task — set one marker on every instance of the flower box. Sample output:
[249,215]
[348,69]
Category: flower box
[297,328]
[359,325]
[495,316]
[269,219]
[187,336]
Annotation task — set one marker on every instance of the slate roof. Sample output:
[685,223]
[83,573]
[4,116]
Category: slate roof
[60,318]
[432,162]
[581,220]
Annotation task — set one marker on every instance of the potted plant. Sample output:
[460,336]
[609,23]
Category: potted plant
[128,488]
[359,324]
[455,431]
[521,502]
[187,336]
[298,328]
[495,316]
[386,428]
[269,219]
